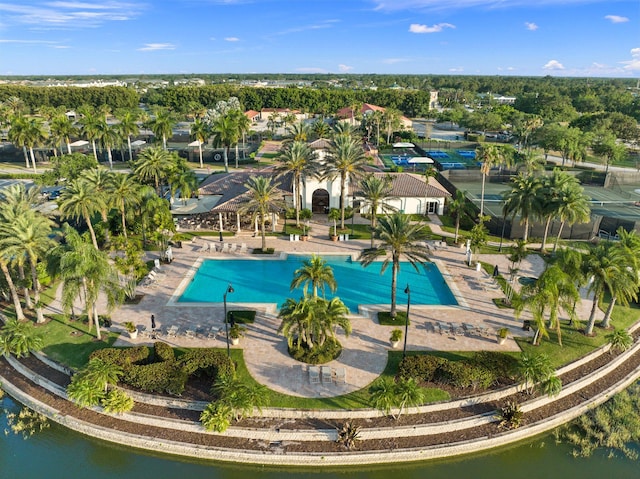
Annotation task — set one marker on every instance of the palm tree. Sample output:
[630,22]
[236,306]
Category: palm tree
[299,131]
[489,156]
[62,130]
[153,164]
[574,208]
[162,126]
[100,180]
[242,124]
[128,126]
[28,235]
[31,133]
[123,191]
[299,160]
[315,272]
[110,137]
[91,128]
[606,266]
[398,239]
[625,285]
[80,200]
[375,192]
[345,160]
[18,134]
[200,132]
[457,207]
[321,129]
[263,197]
[523,200]
[551,198]
[185,181]
[19,338]
[391,119]
[225,134]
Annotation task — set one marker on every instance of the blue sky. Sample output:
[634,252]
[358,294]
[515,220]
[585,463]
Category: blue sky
[470,37]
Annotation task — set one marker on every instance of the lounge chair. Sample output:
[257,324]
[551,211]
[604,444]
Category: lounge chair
[226,248]
[341,375]
[243,248]
[314,374]
[327,376]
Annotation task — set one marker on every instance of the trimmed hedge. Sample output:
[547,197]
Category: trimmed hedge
[122,357]
[422,368]
[214,364]
[163,352]
[161,377]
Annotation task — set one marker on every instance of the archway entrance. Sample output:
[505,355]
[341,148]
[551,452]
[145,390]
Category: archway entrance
[320,201]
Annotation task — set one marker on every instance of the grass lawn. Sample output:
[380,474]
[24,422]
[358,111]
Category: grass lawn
[71,342]
[574,343]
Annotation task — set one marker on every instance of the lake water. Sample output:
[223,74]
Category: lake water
[58,453]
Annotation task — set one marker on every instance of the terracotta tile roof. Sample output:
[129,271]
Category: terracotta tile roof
[407,185]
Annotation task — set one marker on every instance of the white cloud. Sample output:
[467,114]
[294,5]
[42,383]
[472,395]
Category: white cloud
[531,26]
[456,70]
[553,65]
[417,28]
[344,68]
[417,5]
[633,64]
[616,18]
[152,47]
[393,61]
[231,39]
[69,14]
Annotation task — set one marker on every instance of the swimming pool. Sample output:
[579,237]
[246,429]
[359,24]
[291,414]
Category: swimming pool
[268,280]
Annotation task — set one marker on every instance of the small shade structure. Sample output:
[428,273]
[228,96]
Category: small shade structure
[79,143]
[195,143]
[403,145]
[138,143]
[419,159]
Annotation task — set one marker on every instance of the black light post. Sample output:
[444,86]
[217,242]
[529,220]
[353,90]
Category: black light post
[353,213]
[226,326]
[406,321]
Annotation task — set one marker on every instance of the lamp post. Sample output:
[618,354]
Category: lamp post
[406,321]
[353,212]
[226,326]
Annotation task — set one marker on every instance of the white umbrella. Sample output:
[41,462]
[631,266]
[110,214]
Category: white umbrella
[403,145]
[79,143]
[195,143]
[138,143]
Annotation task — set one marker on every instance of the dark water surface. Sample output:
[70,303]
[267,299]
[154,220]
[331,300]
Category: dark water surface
[58,453]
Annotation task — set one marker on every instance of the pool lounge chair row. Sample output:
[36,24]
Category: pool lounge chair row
[461,329]
[210,247]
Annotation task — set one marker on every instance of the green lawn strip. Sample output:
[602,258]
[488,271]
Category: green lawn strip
[574,343]
[71,342]
[242,316]
[384,318]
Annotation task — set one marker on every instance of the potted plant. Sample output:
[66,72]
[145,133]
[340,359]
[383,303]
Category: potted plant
[502,335]
[236,332]
[131,329]
[305,216]
[396,336]
[334,215]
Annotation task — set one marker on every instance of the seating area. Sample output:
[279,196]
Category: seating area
[327,375]
[211,247]
[457,329]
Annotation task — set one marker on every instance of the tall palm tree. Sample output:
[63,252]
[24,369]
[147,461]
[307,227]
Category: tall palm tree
[489,156]
[391,119]
[185,181]
[35,135]
[62,130]
[574,208]
[263,198]
[110,137]
[80,200]
[315,272]
[153,164]
[399,239]
[225,134]
[345,160]
[321,129]
[551,196]
[299,131]
[100,180]
[162,126]
[29,235]
[523,200]
[242,124]
[200,132]
[375,192]
[457,207]
[18,134]
[123,190]
[128,126]
[91,128]
[625,286]
[300,160]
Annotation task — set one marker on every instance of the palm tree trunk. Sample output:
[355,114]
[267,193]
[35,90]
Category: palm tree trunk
[525,236]
[263,233]
[482,195]
[457,227]
[110,157]
[226,159]
[296,200]
[26,156]
[27,294]
[394,285]
[95,152]
[14,292]
[96,319]
[33,159]
[129,145]
[124,223]
[200,151]
[606,321]
[592,316]
[555,246]
[342,191]
[546,232]
[36,292]
[237,154]
[68,147]
[164,142]
[94,240]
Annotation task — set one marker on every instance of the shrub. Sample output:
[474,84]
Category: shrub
[163,352]
[117,402]
[213,363]
[164,377]
[421,368]
[466,374]
[504,366]
[329,351]
[509,416]
[122,357]
[216,416]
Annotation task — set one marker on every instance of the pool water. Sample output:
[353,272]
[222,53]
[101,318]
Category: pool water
[268,281]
